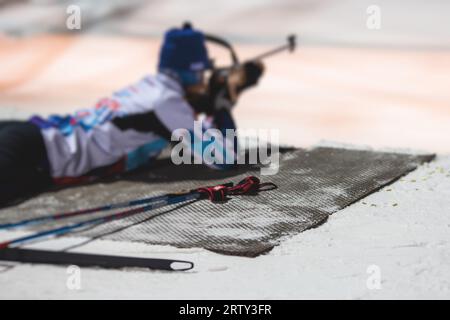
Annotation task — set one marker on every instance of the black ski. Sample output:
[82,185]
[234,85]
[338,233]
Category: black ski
[90,260]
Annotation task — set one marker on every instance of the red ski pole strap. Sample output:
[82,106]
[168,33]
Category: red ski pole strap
[249,186]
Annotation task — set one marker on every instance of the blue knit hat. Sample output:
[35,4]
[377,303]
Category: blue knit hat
[184,54]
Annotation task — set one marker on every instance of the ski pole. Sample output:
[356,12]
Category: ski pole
[250,185]
[91,222]
[70,214]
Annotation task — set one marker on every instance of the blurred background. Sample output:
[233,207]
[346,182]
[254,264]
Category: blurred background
[347,82]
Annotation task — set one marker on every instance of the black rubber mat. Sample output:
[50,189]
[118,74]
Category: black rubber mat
[312,184]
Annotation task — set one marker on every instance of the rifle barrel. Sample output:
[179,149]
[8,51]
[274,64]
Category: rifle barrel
[290,46]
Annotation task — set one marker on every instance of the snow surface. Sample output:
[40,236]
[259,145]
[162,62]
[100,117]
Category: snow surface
[403,230]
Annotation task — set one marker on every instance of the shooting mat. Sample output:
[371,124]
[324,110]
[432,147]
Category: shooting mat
[312,184]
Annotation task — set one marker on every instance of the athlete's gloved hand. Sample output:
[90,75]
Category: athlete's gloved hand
[219,97]
[226,85]
[253,70]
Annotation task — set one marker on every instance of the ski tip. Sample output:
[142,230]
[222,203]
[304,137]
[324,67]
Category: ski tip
[181,265]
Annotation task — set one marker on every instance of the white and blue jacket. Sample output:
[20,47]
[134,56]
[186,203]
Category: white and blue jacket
[120,133]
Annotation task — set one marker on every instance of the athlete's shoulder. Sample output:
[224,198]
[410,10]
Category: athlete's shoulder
[170,106]
[171,94]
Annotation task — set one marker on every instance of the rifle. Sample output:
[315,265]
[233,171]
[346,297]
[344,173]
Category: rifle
[226,81]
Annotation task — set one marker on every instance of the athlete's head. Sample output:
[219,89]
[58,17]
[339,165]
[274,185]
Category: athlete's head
[184,56]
